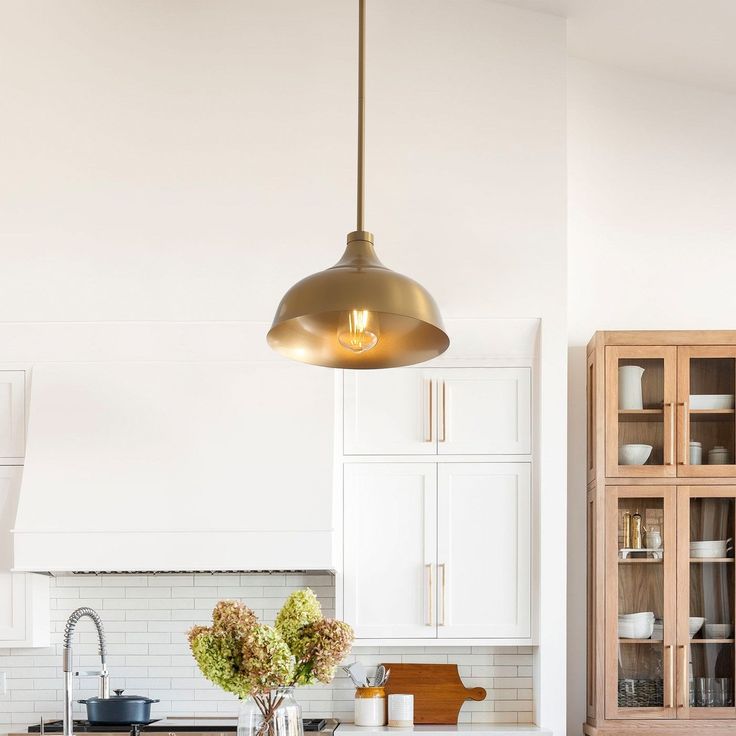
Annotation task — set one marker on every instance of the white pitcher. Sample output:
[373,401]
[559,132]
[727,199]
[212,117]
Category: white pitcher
[629,387]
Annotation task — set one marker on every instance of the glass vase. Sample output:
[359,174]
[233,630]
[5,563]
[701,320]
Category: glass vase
[276,713]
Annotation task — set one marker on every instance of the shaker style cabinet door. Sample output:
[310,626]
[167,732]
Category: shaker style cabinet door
[390,548]
[24,597]
[706,431]
[484,411]
[12,416]
[641,393]
[641,601]
[389,412]
[706,602]
[12,586]
[484,550]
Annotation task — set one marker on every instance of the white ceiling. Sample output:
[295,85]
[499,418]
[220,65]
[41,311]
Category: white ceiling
[691,41]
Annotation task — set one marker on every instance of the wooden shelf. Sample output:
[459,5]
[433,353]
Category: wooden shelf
[640,641]
[640,415]
[640,560]
[712,641]
[711,559]
[711,415]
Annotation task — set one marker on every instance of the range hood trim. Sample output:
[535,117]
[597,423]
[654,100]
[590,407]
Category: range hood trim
[172,551]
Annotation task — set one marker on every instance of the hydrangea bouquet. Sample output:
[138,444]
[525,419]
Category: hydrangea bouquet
[249,658]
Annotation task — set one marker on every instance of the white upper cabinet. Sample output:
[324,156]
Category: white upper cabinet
[484,550]
[390,546]
[484,411]
[448,411]
[12,416]
[389,412]
[24,598]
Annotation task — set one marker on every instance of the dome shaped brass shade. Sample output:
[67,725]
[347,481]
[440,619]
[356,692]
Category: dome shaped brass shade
[358,314]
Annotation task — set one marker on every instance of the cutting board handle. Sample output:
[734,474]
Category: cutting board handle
[476,693]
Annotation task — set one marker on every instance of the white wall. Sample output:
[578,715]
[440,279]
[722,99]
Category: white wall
[651,245]
[188,161]
[191,160]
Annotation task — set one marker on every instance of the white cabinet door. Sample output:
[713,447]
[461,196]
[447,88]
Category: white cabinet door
[484,550]
[484,411]
[12,585]
[12,416]
[389,412]
[24,597]
[390,547]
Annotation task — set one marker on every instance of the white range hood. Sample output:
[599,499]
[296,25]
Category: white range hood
[177,467]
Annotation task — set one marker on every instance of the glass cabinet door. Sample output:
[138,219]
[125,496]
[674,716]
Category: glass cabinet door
[706,602]
[705,408]
[641,389]
[640,602]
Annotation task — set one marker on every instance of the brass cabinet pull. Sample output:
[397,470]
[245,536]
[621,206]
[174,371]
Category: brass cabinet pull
[671,457]
[683,674]
[430,607]
[671,660]
[685,445]
[444,413]
[443,576]
[431,413]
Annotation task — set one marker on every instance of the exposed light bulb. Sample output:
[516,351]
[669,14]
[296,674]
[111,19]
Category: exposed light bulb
[359,331]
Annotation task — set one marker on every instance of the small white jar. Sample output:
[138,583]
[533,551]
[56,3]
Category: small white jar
[696,453]
[400,710]
[370,706]
[719,455]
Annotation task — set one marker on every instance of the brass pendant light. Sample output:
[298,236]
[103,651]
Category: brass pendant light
[358,314]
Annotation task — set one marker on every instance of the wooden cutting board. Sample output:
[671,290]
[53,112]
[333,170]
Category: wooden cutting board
[437,689]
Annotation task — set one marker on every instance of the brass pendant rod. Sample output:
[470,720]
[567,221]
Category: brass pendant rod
[361,113]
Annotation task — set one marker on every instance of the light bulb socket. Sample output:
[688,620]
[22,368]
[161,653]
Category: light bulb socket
[360,235]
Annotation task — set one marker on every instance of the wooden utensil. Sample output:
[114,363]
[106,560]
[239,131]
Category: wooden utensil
[437,689]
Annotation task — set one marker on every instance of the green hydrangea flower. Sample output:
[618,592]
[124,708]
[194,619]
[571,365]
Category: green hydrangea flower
[219,657]
[240,655]
[324,644]
[301,609]
[267,659]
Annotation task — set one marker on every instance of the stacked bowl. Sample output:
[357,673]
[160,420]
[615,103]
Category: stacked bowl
[710,549]
[636,625]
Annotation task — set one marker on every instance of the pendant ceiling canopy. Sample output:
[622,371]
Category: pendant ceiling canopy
[358,313]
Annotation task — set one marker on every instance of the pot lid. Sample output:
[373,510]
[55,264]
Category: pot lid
[119,697]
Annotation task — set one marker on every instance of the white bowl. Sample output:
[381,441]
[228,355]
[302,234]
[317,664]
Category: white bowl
[704,550]
[636,616]
[718,631]
[694,624]
[711,401]
[634,454]
[635,629]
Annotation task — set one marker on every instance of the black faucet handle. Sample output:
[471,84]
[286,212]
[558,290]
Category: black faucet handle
[119,691]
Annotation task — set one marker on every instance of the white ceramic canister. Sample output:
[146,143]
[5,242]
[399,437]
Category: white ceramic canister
[629,387]
[719,455]
[400,710]
[370,706]
[696,453]
[654,539]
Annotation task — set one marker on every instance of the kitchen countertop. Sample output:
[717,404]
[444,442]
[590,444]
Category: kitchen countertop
[217,727]
[476,729]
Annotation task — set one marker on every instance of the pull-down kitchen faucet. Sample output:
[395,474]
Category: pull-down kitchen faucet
[71,625]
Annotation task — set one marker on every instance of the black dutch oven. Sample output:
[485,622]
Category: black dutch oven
[119,709]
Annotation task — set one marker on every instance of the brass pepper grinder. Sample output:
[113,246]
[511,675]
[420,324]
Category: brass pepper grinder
[636,541]
[627,530]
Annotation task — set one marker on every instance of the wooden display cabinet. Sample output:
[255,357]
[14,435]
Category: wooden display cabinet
[675,671]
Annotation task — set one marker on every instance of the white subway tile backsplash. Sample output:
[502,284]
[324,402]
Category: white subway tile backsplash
[146,619]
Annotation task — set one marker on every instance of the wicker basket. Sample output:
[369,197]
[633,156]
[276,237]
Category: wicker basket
[640,693]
